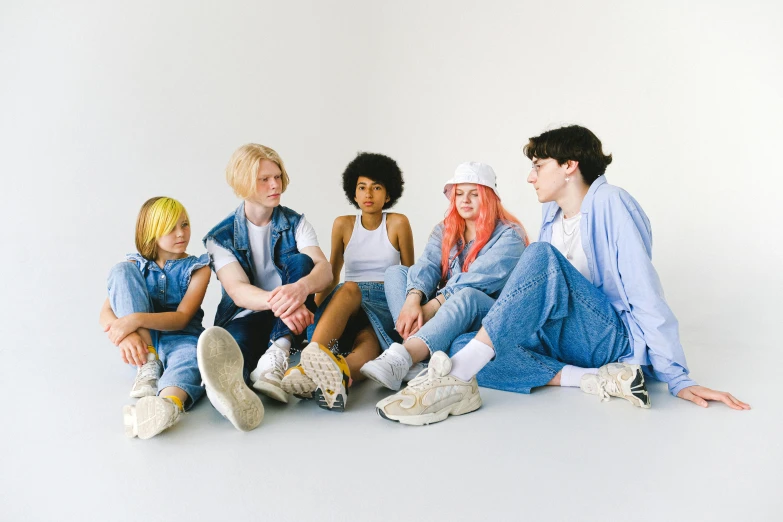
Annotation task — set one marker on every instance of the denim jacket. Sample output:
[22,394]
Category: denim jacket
[167,286]
[488,273]
[231,234]
[617,241]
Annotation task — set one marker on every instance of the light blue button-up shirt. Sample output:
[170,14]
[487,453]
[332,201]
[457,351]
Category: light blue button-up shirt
[617,241]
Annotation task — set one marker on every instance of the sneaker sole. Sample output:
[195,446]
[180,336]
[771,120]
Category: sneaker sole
[637,393]
[328,379]
[151,418]
[270,390]
[298,385]
[220,362]
[462,407]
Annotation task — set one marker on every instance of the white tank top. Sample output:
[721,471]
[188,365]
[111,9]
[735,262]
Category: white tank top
[369,253]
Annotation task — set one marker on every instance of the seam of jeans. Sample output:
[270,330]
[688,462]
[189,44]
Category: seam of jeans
[619,328]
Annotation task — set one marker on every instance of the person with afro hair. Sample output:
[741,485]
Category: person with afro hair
[353,324]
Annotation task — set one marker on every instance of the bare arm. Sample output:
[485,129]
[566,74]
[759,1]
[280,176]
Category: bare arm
[240,290]
[106,316]
[401,237]
[286,299]
[336,259]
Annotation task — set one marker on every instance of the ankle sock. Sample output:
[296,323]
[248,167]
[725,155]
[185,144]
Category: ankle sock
[400,349]
[284,343]
[176,401]
[152,351]
[466,363]
[572,375]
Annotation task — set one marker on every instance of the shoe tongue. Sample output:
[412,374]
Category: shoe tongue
[440,364]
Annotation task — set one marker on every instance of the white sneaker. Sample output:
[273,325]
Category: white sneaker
[147,375]
[150,416]
[268,375]
[432,396]
[618,380]
[388,369]
[220,362]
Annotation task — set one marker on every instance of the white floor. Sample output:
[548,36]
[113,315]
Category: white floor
[556,454]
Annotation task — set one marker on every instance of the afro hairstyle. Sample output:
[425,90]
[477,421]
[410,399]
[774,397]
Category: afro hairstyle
[379,168]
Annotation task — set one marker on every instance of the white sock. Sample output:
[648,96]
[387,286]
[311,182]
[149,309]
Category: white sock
[466,363]
[400,349]
[573,374]
[284,343]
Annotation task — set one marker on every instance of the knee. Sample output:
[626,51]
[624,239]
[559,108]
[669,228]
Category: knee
[395,273]
[124,271]
[298,266]
[350,290]
[539,249]
[466,297]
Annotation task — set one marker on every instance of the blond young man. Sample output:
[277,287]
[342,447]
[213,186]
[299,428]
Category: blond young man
[268,260]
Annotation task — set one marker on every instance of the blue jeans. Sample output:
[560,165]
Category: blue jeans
[254,332]
[547,316]
[177,350]
[462,312]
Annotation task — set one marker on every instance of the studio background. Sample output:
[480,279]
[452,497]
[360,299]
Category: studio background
[105,104]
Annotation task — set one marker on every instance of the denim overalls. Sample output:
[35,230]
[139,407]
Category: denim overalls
[141,286]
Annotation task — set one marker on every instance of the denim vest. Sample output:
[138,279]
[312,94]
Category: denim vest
[231,234]
[167,286]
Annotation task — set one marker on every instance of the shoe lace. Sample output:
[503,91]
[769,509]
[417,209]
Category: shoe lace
[279,362]
[149,370]
[606,388]
[422,379]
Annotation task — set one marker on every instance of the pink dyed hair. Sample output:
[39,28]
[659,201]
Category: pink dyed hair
[490,212]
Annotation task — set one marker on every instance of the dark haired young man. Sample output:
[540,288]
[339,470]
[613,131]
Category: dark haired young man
[583,307]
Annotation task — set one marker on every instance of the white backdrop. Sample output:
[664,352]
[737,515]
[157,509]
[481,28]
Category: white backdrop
[104,104]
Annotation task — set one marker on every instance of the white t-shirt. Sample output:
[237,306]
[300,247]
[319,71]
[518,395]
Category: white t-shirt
[567,238]
[265,274]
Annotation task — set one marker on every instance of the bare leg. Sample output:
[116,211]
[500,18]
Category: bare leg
[174,391]
[365,349]
[417,348]
[345,304]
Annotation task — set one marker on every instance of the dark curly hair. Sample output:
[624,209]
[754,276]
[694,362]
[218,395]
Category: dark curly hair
[379,168]
[571,143]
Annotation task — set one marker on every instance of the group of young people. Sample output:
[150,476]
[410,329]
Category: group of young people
[482,306]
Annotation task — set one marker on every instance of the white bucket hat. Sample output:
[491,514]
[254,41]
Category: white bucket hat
[472,172]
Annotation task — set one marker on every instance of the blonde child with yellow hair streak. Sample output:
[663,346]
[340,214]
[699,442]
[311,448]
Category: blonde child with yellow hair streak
[153,314]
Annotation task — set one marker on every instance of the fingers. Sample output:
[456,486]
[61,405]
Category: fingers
[742,405]
[106,327]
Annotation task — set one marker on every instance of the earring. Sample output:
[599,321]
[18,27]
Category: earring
[568,179]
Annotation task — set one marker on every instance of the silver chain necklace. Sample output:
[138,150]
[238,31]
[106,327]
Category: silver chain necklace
[569,246]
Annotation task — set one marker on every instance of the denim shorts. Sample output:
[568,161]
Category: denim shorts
[375,308]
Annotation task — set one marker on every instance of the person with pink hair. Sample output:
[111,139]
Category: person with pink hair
[449,290]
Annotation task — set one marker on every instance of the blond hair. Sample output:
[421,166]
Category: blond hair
[158,216]
[243,168]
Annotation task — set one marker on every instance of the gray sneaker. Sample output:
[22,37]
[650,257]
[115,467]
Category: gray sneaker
[618,380]
[147,375]
[150,416]
[220,362]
